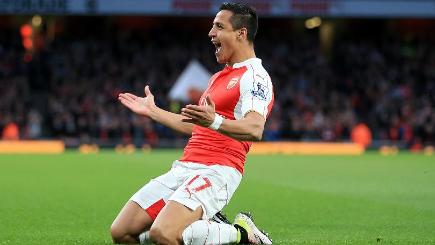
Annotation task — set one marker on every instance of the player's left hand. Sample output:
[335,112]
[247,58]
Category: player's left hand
[202,115]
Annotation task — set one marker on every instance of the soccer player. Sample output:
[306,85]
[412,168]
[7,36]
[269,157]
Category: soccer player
[178,207]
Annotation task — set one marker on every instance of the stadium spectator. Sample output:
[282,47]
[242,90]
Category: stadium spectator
[362,135]
[10,131]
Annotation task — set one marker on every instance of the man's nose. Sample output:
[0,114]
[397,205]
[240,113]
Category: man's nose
[212,33]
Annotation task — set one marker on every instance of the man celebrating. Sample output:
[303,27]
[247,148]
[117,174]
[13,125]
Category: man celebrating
[178,207]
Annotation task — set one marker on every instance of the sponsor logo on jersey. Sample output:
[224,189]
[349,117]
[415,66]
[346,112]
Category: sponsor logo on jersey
[232,82]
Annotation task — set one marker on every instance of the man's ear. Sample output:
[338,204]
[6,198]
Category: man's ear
[242,33]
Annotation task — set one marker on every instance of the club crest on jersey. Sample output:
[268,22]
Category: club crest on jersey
[203,101]
[260,91]
[232,82]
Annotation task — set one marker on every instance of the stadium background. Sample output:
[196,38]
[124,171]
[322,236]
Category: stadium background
[351,67]
[334,64]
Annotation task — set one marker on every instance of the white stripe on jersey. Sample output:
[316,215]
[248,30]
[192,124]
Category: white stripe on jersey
[256,91]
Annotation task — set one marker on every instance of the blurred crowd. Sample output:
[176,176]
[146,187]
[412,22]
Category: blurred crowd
[69,89]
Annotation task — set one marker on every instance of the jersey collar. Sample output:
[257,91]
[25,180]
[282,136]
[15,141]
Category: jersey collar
[247,62]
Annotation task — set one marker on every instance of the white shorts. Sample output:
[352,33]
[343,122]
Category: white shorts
[192,185]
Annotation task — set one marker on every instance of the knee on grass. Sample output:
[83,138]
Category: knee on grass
[120,235]
[163,236]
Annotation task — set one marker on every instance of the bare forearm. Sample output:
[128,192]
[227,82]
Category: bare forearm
[244,129]
[240,137]
[250,128]
[171,120]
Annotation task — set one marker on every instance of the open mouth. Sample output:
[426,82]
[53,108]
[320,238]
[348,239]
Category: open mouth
[218,46]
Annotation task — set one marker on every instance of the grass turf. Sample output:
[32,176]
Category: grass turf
[370,199]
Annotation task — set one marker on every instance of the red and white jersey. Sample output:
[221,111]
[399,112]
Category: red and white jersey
[235,90]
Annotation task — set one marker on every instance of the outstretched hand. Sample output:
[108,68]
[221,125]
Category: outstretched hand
[202,115]
[140,105]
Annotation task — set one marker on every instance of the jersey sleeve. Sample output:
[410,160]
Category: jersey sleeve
[256,93]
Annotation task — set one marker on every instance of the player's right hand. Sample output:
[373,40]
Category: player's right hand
[140,105]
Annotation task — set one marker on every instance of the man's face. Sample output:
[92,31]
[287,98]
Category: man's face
[223,36]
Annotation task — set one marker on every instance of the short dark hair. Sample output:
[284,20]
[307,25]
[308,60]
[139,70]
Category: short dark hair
[243,16]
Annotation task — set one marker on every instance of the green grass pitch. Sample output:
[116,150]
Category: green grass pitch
[370,199]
